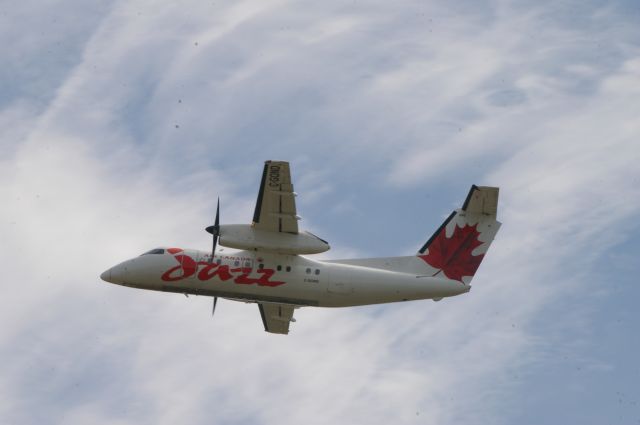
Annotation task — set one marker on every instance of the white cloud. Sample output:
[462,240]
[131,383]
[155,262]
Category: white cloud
[103,174]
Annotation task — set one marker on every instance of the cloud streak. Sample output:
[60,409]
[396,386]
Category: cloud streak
[169,106]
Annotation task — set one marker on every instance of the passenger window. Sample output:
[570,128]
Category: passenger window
[308,271]
[317,271]
[247,264]
[288,268]
[236,263]
[260,266]
[279,268]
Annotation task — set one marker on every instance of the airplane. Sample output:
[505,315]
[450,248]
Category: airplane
[272,268]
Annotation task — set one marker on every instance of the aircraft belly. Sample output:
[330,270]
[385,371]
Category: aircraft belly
[371,286]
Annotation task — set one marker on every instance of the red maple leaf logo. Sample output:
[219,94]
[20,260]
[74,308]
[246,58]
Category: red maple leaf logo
[452,256]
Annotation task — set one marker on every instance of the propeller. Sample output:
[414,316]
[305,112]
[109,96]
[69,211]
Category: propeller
[215,302]
[215,231]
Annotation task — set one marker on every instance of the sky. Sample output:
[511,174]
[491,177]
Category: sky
[122,122]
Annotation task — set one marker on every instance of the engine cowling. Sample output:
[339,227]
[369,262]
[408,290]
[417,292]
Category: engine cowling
[245,236]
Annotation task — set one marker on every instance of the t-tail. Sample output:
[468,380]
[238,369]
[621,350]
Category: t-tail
[457,248]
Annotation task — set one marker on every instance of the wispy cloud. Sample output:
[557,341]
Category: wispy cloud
[160,108]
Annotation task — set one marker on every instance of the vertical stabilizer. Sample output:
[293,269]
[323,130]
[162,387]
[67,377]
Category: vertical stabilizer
[457,248]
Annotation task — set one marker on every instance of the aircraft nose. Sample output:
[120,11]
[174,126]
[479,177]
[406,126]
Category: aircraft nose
[106,275]
[114,275]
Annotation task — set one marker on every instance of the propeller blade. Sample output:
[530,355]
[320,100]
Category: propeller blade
[213,249]
[215,231]
[215,303]
[217,222]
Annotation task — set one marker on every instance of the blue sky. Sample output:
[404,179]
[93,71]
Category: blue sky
[122,122]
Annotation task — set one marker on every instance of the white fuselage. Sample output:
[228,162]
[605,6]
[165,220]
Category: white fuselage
[257,276]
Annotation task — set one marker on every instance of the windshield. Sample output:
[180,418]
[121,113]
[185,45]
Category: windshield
[155,251]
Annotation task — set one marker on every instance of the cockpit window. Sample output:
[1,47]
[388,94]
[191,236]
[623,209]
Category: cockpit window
[155,251]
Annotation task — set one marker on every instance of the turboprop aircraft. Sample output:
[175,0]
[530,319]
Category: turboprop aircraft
[271,270]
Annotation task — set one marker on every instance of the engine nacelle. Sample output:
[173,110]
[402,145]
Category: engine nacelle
[244,236]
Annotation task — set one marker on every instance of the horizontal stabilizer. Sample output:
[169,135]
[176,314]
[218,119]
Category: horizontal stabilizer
[482,200]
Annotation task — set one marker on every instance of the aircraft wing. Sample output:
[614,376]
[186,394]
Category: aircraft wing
[276,317]
[276,206]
